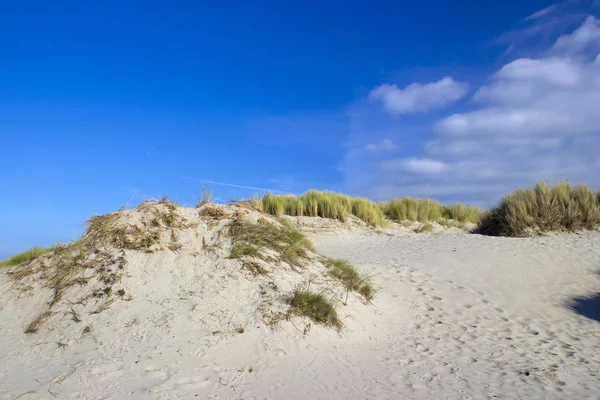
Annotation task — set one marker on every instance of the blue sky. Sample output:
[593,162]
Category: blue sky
[104,104]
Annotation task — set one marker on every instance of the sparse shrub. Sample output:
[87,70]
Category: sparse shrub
[543,209]
[25,256]
[352,279]
[314,306]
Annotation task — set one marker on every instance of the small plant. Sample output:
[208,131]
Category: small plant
[36,324]
[243,249]
[291,245]
[25,256]
[314,306]
[351,278]
[207,197]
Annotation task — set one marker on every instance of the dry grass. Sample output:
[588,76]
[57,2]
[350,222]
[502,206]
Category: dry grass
[350,277]
[320,204]
[37,323]
[314,306]
[25,256]
[543,209]
[163,217]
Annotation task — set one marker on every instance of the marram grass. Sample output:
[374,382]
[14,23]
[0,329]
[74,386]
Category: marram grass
[541,209]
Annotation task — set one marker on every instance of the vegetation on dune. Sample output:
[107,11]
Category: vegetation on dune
[291,245]
[25,256]
[543,208]
[321,204]
[314,306]
[427,210]
[352,279]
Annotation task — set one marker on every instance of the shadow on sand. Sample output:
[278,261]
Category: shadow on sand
[588,306]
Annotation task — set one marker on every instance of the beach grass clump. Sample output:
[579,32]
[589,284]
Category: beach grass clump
[351,278]
[291,245]
[542,209]
[413,209]
[463,213]
[25,256]
[314,306]
[322,204]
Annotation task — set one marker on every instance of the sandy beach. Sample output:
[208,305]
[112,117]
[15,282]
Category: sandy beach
[457,316]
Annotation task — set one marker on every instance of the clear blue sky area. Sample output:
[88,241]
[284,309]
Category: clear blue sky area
[105,103]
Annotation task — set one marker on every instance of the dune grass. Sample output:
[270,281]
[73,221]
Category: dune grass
[321,204]
[543,208]
[314,306]
[427,210]
[351,278]
[291,245]
[25,256]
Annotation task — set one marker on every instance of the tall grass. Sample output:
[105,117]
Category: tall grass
[321,204]
[543,208]
[427,210]
[25,256]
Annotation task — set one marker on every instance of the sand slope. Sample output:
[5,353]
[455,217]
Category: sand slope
[459,316]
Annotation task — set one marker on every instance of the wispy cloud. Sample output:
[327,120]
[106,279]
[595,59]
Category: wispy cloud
[534,118]
[234,185]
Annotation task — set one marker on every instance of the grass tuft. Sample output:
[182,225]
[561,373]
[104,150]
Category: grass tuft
[350,277]
[25,256]
[37,323]
[243,249]
[541,209]
[314,306]
[291,245]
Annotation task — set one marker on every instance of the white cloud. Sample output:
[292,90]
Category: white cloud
[535,118]
[415,165]
[385,145]
[584,38]
[418,97]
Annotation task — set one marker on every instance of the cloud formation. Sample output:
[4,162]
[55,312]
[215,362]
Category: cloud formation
[418,97]
[535,118]
[385,145]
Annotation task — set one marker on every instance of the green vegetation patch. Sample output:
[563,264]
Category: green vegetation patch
[314,306]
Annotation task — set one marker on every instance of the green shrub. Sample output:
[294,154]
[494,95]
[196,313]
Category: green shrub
[25,256]
[314,306]
[543,209]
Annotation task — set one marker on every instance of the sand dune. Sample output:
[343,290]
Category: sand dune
[458,316]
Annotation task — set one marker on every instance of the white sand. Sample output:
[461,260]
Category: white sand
[459,316]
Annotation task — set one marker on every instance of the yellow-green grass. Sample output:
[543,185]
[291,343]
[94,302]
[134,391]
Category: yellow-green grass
[543,208]
[25,256]
[314,306]
[321,204]
[351,278]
